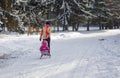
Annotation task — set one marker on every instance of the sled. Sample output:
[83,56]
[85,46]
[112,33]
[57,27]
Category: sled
[45,53]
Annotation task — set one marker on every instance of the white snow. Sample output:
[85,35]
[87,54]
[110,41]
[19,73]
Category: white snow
[1,22]
[84,54]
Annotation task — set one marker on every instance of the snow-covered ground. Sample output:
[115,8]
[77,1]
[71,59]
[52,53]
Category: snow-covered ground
[86,54]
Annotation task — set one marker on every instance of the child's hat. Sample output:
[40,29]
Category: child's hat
[44,42]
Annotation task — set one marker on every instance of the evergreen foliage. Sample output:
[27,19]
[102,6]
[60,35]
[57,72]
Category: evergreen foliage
[65,12]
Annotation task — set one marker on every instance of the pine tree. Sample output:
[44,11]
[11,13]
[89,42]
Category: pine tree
[11,22]
[101,11]
[89,8]
[71,12]
[113,6]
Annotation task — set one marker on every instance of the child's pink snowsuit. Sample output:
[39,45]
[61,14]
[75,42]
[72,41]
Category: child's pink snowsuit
[44,47]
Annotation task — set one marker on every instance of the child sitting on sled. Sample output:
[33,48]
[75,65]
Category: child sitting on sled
[44,49]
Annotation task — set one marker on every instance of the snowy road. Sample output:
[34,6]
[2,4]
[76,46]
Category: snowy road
[88,55]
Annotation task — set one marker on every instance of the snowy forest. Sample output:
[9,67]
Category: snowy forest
[16,15]
[84,41]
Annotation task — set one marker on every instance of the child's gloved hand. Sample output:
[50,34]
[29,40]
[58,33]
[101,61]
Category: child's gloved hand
[40,39]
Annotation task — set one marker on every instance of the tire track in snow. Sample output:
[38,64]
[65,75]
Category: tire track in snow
[84,61]
[108,62]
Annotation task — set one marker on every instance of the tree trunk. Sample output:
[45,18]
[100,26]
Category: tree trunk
[76,27]
[73,27]
[58,26]
[88,25]
[65,28]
